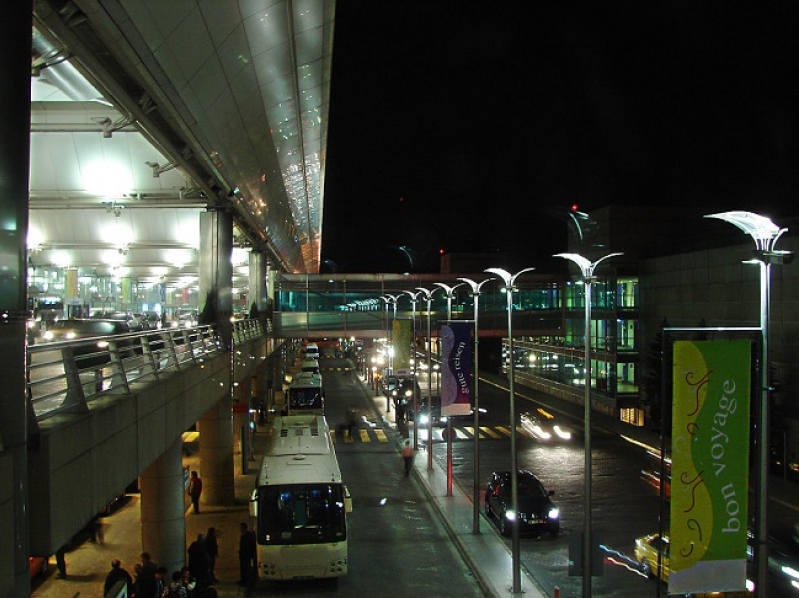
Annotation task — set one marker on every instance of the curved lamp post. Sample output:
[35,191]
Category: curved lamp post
[450,295]
[428,296]
[765,235]
[508,280]
[587,268]
[390,300]
[474,289]
[414,299]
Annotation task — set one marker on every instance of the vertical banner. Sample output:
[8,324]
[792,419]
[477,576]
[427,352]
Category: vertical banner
[710,471]
[71,286]
[401,341]
[456,368]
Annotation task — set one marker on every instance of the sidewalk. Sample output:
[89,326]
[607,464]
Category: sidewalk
[487,554]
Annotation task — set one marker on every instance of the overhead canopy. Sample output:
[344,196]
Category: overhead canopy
[145,114]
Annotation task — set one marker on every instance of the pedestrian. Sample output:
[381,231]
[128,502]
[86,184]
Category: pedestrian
[145,583]
[212,548]
[407,456]
[195,490]
[199,563]
[61,561]
[175,589]
[96,530]
[188,582]
[161,581]
[117,574]
[247,555]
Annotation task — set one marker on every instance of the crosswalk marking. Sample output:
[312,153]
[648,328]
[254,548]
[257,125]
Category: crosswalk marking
[489,432]
[461,433]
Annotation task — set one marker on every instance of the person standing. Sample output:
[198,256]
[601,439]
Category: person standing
[117,574]
[195,490]
[407,456]
[145,583]
[212,548]
[247,555]
[199,564]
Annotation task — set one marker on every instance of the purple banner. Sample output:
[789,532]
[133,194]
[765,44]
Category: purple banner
[456,368]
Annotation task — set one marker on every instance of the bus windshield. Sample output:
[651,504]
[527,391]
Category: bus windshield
[302,399]
[301,514]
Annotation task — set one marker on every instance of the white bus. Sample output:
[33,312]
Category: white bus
[300,503]
[305,395]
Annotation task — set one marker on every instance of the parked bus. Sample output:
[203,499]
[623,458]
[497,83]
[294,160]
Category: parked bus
[300,503]
[305,395]
[310,365]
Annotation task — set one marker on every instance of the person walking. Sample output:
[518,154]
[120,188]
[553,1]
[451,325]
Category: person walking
[195,490]
[247,555]
[212,548]
[118,573]
[61,561]
[407,456]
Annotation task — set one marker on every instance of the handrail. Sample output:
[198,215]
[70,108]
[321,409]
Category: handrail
[64,377]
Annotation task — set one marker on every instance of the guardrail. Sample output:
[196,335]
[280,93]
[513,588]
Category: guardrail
[64,377]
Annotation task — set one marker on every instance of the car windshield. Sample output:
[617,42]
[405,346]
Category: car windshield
[531,487]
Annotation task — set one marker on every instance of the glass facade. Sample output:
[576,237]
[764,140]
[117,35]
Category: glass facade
[551,361]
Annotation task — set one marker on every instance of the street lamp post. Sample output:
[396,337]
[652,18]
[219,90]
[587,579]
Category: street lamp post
[474,288]
[414,299]
[428,296]
[450,295]
[587,269]
[508,280]
[765,235]
[390,300]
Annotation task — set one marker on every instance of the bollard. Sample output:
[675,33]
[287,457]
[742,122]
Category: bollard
[557,592]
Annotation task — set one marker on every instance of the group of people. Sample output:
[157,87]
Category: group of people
[151,581]
[195,580]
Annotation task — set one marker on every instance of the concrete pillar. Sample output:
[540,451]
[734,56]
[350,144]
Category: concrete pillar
[216,272]
[163,509]
[241,410]
[258,280]
[15,45]
[216,453]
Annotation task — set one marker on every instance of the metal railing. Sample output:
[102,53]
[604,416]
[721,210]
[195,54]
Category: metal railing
[64,377]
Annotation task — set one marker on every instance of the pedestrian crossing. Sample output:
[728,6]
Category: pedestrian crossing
[460,433]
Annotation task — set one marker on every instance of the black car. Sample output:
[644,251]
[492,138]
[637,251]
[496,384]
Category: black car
[537,514]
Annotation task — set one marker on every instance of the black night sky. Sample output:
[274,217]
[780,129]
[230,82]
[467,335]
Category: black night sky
[455,126]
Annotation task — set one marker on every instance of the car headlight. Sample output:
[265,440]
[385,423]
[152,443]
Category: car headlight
[554,513]
[423,419]
[48,336]
[510,515]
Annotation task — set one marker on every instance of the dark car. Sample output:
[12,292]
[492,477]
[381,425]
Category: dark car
[537,514]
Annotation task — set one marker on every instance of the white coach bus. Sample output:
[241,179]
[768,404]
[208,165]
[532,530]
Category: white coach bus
[300,503]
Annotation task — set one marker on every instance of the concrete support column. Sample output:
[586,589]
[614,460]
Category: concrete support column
[15,45]
[216,453]
[163,509]
[241,410]
[216,272]
[258,280]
